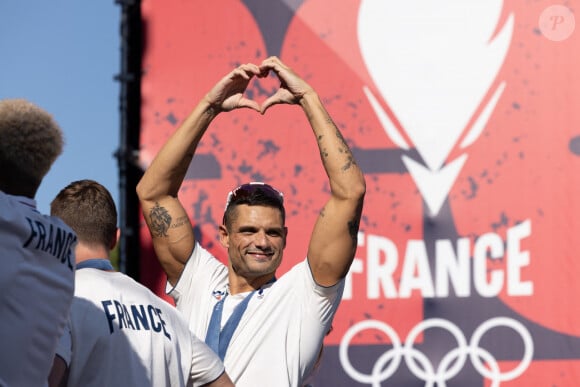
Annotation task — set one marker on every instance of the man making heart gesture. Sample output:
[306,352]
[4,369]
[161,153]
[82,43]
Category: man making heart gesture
[268,330]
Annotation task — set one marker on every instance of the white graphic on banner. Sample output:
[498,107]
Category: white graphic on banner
[451,363]
[460,267]
[433,63]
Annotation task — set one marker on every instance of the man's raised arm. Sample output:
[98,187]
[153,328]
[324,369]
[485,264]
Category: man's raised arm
[334,238]
[167,220]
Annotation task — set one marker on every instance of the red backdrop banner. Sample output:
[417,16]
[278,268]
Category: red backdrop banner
[464,117]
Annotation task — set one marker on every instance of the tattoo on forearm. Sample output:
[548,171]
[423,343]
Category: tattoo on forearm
[323,151]
[349,163]
[342,149]
[159,221]
[327,117]
[340,137]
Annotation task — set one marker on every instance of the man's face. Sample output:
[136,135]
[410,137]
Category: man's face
[256,240]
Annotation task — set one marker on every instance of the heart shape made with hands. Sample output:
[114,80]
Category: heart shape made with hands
[243,87]
[261,90]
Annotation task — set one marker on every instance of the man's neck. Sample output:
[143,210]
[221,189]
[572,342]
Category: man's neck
[238,284]
[84,252]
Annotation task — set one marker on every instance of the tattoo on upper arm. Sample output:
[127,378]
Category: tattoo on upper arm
[184,220]
[354,224]
[159,221]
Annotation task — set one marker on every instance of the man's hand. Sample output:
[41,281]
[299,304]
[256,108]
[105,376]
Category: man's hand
[292,87]
[228,93]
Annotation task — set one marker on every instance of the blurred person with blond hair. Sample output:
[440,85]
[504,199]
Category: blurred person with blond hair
[37,267]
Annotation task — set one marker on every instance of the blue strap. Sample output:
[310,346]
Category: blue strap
[212,337]
[219,339]
[231,325]
[96,263]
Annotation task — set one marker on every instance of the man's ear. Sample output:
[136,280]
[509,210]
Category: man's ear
[115,239]
[285,235]
[224,236]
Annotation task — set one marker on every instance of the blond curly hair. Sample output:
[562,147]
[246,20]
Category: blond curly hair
[30,142]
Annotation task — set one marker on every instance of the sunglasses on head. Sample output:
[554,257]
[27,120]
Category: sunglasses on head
[248,190]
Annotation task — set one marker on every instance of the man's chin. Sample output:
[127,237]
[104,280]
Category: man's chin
[260,269]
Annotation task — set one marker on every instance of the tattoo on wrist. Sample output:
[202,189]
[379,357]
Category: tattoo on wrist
[212,110]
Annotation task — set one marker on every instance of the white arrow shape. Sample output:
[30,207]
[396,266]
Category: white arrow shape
[434,185]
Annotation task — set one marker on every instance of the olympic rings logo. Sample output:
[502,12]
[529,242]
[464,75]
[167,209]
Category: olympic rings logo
[449,366]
